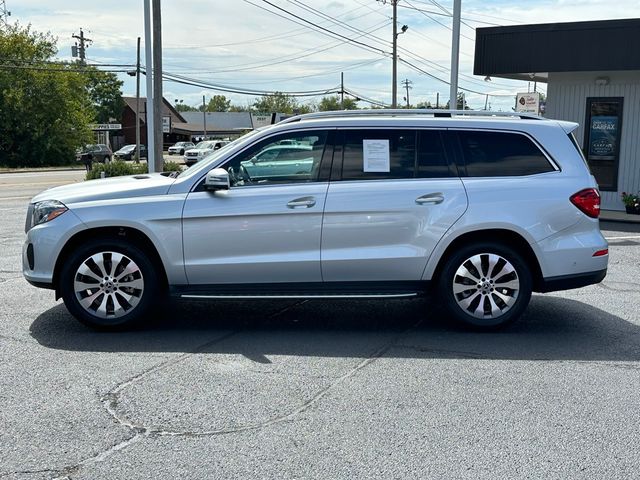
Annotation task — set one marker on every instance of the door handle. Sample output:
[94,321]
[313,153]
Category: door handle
[306,202]
[434,198]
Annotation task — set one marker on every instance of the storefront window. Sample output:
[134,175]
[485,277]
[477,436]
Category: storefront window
[602,139]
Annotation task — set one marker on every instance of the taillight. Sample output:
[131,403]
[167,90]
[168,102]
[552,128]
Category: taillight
[587,201]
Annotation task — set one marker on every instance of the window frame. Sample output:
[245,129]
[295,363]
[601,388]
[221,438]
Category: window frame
[326,159]
[336,171]
[462,163]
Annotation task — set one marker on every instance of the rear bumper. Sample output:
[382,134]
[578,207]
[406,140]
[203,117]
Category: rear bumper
[567,282]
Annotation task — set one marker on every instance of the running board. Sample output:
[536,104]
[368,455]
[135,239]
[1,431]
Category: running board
[307,296]
[314,290]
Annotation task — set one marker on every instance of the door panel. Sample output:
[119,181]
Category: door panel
[381,230]
[254,234]
[384,224]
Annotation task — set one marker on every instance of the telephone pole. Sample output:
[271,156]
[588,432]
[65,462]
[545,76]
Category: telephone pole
[80,50]
[138,103]
[407,85]
[394,54]
[157,87]
[342,90]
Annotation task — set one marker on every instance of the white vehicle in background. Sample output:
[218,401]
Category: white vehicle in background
[180,147]
[201,150]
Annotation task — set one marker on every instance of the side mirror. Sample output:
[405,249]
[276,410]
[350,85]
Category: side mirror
[217,179]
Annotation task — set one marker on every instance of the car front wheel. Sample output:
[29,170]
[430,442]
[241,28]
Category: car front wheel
[485,286]
[109,284]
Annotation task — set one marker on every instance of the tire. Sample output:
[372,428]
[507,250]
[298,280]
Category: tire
[499,286]
[107,159]
[122,295]
[181,152]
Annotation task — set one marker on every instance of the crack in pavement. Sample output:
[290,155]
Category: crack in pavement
[111,402]
[111,399]
[26,472]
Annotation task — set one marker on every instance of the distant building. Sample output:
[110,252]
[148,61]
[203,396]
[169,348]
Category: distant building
[593,75]
[129,121]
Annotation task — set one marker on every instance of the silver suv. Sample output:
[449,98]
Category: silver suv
[480,208]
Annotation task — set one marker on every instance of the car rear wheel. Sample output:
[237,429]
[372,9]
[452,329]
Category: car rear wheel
[485,286]
[109,284]
[107,159]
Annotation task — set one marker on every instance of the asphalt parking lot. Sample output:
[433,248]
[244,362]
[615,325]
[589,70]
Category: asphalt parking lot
[317,389]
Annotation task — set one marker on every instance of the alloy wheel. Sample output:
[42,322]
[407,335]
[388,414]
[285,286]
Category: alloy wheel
[108,284]
[486,286]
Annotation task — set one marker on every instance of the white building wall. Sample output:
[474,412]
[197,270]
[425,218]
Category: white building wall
[567,95]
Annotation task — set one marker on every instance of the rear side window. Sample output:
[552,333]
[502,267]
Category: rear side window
[379,154]
[432,160]
[501,154]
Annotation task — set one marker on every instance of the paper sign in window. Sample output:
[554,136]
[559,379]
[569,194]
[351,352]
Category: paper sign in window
[376,156]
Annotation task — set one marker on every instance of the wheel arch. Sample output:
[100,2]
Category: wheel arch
[500,236]
[131,234]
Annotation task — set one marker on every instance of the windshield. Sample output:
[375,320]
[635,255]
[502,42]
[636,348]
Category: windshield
[126,148]
[202,144]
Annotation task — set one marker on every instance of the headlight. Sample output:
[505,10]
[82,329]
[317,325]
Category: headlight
[46,211]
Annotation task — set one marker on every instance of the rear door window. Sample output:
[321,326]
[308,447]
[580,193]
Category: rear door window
[378,154]
[501,154]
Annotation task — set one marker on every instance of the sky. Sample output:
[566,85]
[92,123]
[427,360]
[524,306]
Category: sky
[257,45]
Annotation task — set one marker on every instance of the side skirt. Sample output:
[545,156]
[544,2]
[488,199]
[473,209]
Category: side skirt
[335,290]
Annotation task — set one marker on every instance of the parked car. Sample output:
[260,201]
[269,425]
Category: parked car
[128,152]
[94,153]
[280,160]
[480,208]
[201,150]
[180,147]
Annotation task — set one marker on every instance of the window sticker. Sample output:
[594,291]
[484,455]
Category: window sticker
[376,156]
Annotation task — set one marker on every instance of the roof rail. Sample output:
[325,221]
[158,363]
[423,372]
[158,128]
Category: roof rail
[408,112]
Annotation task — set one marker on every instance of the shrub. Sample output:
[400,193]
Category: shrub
[170,166]
[116,168]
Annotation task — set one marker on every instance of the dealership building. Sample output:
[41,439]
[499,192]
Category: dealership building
[593,74]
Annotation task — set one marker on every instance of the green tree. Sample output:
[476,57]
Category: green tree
[45,106]
[183,107]
[104,89]
[461,103]
[280,103]
[334,103]
[218,103]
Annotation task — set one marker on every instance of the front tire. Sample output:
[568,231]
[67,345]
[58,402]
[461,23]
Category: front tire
[109,284]
[485,286]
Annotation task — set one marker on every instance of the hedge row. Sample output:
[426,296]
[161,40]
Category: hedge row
[118,168]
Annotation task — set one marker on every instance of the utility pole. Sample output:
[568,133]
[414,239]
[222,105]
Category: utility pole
[455,55]
[157,86]
[407,85]
[80,50]
[138,103]
[204,118]
[437,100]
[394,54]
[342,90]
[4,14]
[151,152]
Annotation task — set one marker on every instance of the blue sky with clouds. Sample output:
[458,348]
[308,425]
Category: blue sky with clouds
[250,44]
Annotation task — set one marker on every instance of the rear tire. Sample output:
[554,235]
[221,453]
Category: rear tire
[109,284]
[485,286]
[107,159]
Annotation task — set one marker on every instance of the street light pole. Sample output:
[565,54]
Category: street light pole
[151,152]
[394,76]
[455,54]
